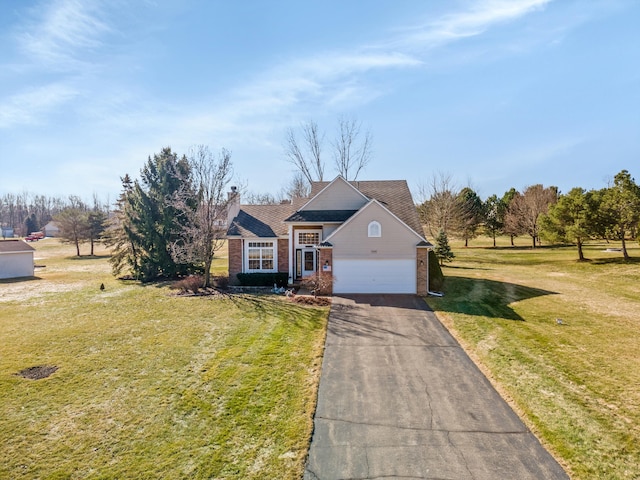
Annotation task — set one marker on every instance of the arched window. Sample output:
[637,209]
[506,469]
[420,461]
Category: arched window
[375,230]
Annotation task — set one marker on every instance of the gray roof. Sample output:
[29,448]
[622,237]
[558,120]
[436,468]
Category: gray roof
[261,221]
[321,216]
[393,194]
[12,246]
[269,220]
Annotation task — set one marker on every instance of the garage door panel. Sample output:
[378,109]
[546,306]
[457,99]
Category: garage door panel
[374,276]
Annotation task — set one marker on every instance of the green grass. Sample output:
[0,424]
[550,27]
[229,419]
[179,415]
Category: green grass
[150,384]
[577,385]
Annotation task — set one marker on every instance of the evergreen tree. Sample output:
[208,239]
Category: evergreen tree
[471,214]
[442,249]
[31,224]
[494,210]
[572,218]
[95,227]
[149,223]
[119,233]
[621,206]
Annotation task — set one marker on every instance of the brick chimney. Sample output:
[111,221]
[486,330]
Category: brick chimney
[233,204]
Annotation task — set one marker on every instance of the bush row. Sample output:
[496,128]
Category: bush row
[263,279]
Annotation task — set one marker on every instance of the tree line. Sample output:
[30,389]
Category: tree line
[610,213]
[27,212]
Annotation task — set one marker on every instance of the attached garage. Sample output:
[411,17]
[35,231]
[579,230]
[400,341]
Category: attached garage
[374,276]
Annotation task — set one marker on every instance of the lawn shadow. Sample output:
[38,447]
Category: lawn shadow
[267,305]
[614,260]
[19,280]
[349,321]
[481,297]
[88,257]
[460,267]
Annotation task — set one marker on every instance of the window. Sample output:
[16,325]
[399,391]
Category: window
[308,238]
[375,230]
[260,255]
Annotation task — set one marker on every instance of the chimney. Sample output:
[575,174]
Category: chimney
[233,204]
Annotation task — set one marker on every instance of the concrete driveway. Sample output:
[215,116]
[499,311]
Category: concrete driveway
[399,398]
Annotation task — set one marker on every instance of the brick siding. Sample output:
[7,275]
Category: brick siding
[422,270]
[235,259]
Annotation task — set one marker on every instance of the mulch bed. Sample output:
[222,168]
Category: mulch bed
[311,300]
[37,373]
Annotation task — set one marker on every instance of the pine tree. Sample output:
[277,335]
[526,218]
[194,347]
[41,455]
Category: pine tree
[147,225]
[442,249]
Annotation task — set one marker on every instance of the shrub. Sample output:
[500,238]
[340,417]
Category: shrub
[221,282]
[263,279]
[192,283]
[436,278]
[318,284]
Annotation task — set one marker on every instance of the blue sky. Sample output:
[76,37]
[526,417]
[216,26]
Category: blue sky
[497,94]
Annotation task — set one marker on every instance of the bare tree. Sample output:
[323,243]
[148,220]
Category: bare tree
[73,223]
[351,148]
[203,200]
[440,209]
[298,187]
[305,154]
[252,198]
[525,209]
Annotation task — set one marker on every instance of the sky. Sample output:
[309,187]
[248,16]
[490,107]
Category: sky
[494,94]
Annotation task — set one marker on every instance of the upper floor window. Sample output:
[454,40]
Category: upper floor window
[308,238]
[374,230]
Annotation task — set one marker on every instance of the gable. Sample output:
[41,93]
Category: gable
[337,195]
[395,238]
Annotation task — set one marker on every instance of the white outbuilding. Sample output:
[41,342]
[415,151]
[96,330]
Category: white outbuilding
[16,259]
[51,229]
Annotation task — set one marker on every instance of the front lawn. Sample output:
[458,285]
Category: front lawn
[150,384]
[560,339]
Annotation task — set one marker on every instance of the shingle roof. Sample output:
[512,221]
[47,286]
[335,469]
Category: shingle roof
[12,246]
[269,220]
[261,220]
[321,216]
[393,194]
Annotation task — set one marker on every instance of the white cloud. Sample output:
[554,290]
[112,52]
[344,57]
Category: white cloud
[64,32]
[468,23]
[27,107]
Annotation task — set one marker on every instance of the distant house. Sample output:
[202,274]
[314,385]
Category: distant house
[7,232]
[16,259]
[51,229]
[366,233]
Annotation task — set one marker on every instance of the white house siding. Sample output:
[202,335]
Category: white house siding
[16,264]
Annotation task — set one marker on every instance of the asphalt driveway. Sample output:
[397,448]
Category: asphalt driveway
[399,398]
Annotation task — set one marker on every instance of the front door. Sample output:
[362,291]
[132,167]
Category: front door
[308,262]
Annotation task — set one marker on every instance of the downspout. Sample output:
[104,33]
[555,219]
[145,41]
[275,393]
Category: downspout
[290,247]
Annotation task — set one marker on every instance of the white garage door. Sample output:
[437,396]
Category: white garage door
[374,276]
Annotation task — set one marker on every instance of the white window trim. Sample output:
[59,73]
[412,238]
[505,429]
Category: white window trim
[305,230]
[274,243]
[372,227]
